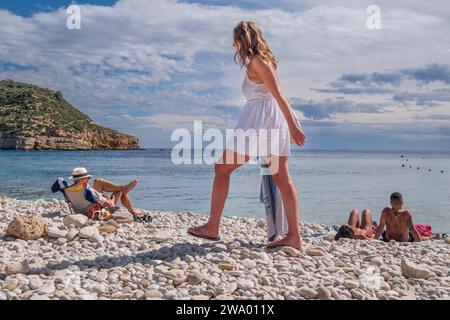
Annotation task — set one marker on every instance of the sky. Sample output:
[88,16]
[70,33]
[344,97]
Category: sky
[148,67]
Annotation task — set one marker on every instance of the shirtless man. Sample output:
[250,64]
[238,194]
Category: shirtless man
[398,222]
[356,230]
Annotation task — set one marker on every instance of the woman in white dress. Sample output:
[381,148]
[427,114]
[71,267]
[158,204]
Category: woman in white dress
[267,124]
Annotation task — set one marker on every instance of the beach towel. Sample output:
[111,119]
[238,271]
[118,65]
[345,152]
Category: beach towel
[424,230]
[271,198]
[374,227]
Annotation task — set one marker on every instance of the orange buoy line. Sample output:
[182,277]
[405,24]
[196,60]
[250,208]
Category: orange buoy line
[418,168]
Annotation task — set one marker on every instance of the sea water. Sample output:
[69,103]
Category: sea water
[329,183]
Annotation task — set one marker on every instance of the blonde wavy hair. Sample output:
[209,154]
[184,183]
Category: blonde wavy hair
[249,35]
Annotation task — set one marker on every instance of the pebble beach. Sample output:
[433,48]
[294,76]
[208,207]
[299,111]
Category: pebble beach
[80,259]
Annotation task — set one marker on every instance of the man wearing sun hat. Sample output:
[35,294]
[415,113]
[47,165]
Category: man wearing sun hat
[79,173]
[96,194]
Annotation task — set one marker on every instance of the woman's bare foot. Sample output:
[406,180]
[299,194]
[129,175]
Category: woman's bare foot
[128,187]
[294,242]
[137,212]
[204,232]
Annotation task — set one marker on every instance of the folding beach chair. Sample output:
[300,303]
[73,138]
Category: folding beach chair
[59,186]
[78,198]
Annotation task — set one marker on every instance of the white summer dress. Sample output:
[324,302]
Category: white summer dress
[262,129]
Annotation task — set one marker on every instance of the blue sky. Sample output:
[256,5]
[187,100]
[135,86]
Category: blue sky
[28,8]
[147,67]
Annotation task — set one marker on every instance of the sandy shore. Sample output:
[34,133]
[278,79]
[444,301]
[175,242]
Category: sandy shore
[159,260]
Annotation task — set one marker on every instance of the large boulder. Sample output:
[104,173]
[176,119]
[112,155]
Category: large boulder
[27,227]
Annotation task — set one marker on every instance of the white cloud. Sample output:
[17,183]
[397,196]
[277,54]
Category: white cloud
[172,59]
[168,121]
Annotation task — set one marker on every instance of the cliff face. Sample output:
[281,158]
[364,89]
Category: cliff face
[33,118]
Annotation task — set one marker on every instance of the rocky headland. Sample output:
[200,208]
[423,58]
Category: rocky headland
[34,118]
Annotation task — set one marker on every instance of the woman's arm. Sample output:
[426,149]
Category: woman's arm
[269,78]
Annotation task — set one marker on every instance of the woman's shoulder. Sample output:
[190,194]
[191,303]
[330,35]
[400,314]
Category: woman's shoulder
[258,62]
[258,59]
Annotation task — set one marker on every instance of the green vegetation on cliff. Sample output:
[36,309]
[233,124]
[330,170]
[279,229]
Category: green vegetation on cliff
[35,118]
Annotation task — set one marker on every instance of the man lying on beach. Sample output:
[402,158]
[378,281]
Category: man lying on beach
[398,223]
[100,198]
[355,229]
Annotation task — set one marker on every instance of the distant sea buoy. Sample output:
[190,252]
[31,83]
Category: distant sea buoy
[418,168]
[429,170]
[401,156]
[442,171]
[403,165]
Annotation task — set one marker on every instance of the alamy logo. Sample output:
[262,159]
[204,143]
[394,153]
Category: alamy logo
[206,147]
[371,278]
[374,19]
[73,22]
[72,279]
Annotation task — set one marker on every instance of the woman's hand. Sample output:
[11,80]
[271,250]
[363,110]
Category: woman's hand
[297,135]
[296,131]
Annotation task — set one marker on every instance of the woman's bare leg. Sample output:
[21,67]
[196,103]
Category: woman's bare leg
[353,219]
[366,221]
[223,169]
[290,202]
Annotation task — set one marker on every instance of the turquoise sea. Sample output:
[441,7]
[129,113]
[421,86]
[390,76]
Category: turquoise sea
[330,183]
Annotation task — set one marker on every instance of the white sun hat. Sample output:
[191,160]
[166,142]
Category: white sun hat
[80,173]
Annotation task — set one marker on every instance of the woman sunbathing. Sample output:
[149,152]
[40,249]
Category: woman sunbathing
[355,229]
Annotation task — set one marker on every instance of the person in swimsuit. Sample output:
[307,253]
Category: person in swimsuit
[267,115]
[355,229]
[398,223]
